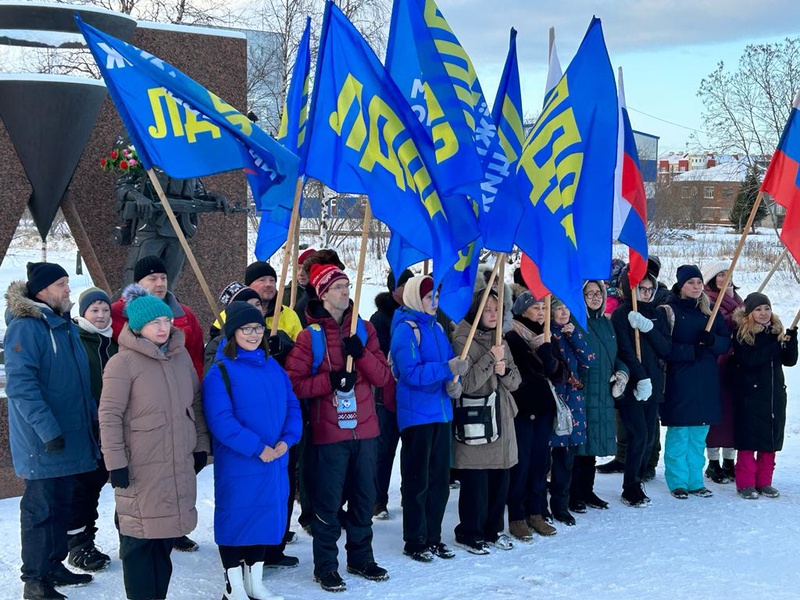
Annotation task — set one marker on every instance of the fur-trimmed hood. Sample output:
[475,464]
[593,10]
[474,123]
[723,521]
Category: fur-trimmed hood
[19,305]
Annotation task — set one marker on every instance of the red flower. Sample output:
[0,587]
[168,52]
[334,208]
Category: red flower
[123,164]
[103,163]
[114,155]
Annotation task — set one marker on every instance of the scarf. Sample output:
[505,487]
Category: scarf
[87,326]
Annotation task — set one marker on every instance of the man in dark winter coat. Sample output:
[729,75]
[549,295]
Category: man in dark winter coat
[344,440]
[51,415]
[387,303]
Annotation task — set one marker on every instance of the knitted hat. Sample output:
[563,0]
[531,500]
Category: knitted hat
[141,307]
[754,300]
[416,289]
[404,277]
[43,274]
[653,265]
[238,314]
[710,271]
[257,270]
[147,266]
[685,273]
[245,294]
[554,304]
[304,255]
[89,297]
[323,276]
[230,291]
[523,302]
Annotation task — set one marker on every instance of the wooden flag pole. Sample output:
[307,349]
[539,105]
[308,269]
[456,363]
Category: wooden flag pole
[477,318]
[426,267]
[295,254]
[772,270]
[795,321]
[362,257]
[636,339]
[501,288]
[184,244]
[293,222]
[729,274]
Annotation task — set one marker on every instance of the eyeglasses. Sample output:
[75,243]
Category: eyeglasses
[161,322]
[646,291]
[340,287]
[593,295]
[251,329]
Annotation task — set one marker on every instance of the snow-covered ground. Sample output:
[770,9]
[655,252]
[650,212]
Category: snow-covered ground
[720,547]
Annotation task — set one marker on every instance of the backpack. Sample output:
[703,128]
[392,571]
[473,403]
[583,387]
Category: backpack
[318,342]
[417,336]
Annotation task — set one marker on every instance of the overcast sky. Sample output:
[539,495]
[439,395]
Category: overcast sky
[665,47]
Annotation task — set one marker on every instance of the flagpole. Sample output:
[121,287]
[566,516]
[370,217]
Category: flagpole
[295,254]
[739,248]
[772,271]
[362,258]
[184,244]
[636,340]
[548,301]
[795,321]
[276,315]
[426,267]
[501,288]
[478,314]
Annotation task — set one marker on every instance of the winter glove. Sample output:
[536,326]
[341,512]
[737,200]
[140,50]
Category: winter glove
[458,367]
[619,381]
[454,389]
[200,460]
[280,345]
[791,334]
[342,380]
[644,389]
[56,445]
[119,478]
[639,321]
[706,338]
[353,346]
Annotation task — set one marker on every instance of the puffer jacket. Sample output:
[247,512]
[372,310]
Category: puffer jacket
[260,411]
[151,421]
[422,369]
[48,389]
[371,370]
[481,380]
[579,357]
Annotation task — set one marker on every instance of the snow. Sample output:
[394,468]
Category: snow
[49,77]
[720,547]
[729,171]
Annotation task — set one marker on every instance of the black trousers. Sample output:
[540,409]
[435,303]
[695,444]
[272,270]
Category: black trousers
[146,567]
[583,471]
[387,449]
[273,552]
[345,473]
[622,444]
[85,497]
[561,477]
[527,490]
[233,556]
[640,421]
[44,512]
[481,504]
[306,472]
[425,470]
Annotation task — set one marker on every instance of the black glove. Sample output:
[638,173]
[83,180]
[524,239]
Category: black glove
[706,338]
[200,460]
[342,380]
[119,478]
[353,346]
[280,345]
[56,445]
[791,334]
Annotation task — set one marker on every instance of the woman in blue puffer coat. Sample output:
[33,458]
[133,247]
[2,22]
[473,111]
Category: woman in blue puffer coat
[254,417]
[424,364]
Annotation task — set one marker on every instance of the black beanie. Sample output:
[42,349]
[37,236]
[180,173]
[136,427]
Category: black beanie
[257,270]
[147,266]
[687,272]
[43,274]
[238,314]
[404,277]
[754,300]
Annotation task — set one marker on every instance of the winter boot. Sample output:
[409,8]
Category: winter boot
[84,555]
[540,526]
[520,530]
[729,468]
[614,466]
[632,495]
[234,585]
[715,473]
[768,491]
[254,583]
[41,589]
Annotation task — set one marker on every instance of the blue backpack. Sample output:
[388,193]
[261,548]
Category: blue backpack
[318,342]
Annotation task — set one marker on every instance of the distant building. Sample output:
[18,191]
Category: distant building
[713,190]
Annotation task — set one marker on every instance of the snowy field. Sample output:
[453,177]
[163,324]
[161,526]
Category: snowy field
[720,547]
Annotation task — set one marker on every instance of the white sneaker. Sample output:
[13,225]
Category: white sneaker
[254,585]
[503,542]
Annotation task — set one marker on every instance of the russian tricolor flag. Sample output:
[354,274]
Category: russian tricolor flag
[630,201]
[781,180]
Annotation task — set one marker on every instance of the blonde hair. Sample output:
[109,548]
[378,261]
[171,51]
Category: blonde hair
[748,328]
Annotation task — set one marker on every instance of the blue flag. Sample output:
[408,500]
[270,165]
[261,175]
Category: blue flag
[567,173]
[429,64]
[273,229]
[365,139]
[186,130]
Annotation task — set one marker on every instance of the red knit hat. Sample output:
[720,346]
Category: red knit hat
[304,255]
[323,276]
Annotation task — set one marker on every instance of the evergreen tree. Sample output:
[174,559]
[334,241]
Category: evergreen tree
[745,199]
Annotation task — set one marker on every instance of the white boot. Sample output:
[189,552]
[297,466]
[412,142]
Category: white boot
[254,585]
[234,585]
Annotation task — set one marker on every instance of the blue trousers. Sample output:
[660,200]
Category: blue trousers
[684,457]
